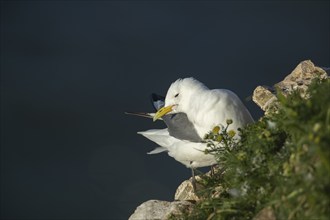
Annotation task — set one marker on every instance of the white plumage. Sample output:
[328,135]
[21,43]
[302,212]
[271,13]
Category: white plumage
[205,109]
[188,153]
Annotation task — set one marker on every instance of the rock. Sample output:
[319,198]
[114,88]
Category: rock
[263,97]
[265,214]
[160,210]
[186,192]
[299,79]
[326,69]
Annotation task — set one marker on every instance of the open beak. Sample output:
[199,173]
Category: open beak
[162,111]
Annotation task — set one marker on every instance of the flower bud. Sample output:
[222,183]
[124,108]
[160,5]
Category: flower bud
[216,130]
[231,133]
[219,138]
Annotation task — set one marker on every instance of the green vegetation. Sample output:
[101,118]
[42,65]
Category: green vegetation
[282,161]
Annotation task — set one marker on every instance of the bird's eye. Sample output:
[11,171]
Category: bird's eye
[176,95]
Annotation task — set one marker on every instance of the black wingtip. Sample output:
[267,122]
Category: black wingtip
[154,98]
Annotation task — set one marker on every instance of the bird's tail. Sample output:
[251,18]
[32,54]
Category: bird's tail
[157,150]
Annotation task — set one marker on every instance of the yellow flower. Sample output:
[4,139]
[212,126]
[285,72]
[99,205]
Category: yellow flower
[216,130]
[219,138]
[231,133]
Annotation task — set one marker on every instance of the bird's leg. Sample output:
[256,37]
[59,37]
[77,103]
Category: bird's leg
[193,179]
[212,170]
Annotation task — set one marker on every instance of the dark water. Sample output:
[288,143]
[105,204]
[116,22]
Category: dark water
[70,69]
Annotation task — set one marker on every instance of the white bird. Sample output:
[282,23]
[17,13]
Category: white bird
[190,111]
[205,108]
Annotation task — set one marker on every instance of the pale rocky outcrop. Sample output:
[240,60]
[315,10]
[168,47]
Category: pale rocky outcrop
[160,210]
[298,79]
[186,192]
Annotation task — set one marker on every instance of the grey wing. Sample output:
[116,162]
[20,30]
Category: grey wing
[178,124]
[180,127]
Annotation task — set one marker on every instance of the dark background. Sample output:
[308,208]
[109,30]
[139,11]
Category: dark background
[70,69]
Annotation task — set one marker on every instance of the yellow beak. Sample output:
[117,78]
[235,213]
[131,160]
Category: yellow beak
[162,111]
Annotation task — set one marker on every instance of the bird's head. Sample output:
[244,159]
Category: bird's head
[178,96]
